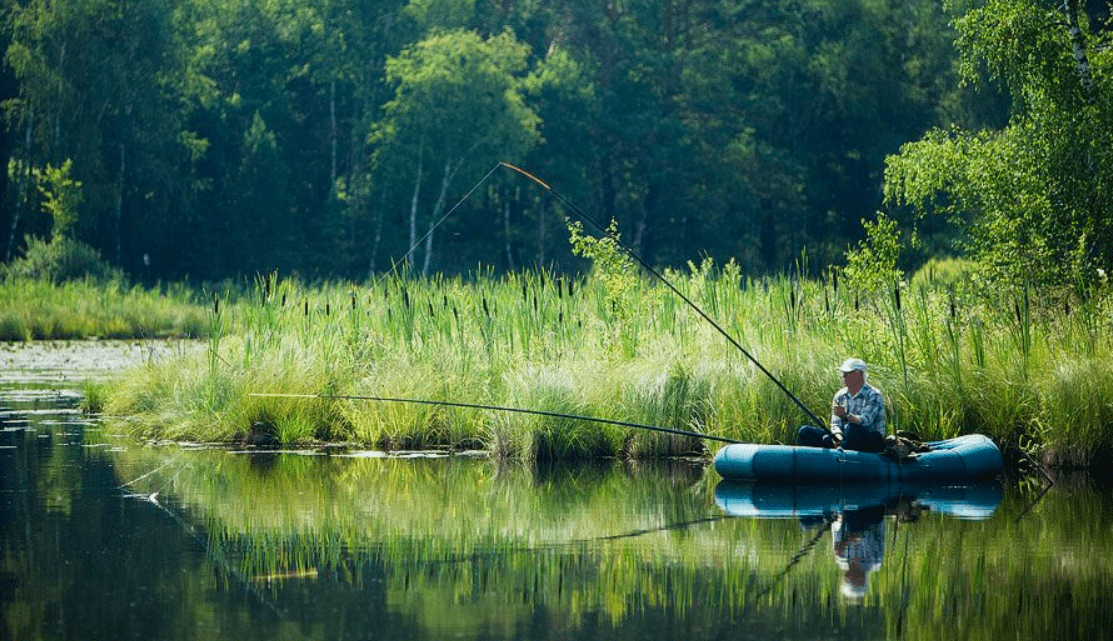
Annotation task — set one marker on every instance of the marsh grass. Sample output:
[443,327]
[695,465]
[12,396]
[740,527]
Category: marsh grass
[1023,368]
[43,310]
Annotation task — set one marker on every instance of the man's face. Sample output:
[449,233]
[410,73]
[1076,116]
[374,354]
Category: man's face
[852,378]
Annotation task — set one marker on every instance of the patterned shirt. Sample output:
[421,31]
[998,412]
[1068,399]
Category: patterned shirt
[867,405]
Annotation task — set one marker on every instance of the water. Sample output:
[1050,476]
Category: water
[102,537]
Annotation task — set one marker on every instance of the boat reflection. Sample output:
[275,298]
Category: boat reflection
[856,515]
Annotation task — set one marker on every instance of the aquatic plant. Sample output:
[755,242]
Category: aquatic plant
[950,359]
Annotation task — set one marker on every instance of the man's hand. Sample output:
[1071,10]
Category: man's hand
[836,438]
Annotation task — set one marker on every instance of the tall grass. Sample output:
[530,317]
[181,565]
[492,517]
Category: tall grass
[951,360]
[42,310]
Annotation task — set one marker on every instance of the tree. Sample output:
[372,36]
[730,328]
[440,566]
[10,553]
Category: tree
[457,107]
[1034,195]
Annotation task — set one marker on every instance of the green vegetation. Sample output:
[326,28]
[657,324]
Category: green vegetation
[39,309]
[1022,366]
[222,138]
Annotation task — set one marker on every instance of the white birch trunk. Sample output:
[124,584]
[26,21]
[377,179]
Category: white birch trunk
[506,233]
[21,188]
[435,220]
[1078,45]
[413,202]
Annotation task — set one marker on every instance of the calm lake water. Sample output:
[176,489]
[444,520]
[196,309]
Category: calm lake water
[106,538]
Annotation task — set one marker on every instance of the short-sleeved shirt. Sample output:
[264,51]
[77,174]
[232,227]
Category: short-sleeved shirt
[868,405]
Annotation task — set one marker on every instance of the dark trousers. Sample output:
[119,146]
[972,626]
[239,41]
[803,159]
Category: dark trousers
[855,437]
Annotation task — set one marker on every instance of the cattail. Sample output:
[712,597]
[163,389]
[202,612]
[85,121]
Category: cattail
[1066,306]
[431,313]
[216,304]
[485,310]
[952,306]
[560,287]
[570,288]
[283,300]
[792,299]
[835,281]
[896,295]
[560,318]
[455,314]
[307,307]
[328,308]
[826,303]
[525,297]
[445,305]
[855,301]
[535,304]
[406,298]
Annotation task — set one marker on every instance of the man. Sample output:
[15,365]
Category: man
[857,415]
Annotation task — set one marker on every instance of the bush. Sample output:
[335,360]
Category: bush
[60,260]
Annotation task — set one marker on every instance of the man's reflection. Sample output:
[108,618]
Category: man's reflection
[858,541]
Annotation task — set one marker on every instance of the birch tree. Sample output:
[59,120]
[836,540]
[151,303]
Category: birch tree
[458,109]
[1035,194]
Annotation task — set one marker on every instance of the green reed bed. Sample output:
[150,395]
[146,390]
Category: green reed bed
[42,310]
[1023,369]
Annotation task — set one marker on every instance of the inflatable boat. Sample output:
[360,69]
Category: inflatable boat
[966,458]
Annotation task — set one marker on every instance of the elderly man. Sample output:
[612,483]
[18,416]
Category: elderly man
[857,415]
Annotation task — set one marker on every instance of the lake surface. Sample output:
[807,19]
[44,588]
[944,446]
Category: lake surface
[102,537]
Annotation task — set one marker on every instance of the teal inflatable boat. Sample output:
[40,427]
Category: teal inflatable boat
[966,458]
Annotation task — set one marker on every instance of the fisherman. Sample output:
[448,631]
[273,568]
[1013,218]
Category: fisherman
[857,415]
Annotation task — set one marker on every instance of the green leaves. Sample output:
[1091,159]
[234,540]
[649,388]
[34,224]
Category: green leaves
[1033,195]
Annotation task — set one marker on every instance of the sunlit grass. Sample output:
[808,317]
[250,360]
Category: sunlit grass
[42,310]
[1020,368]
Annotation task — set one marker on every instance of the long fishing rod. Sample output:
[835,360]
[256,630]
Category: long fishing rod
[579,212]
[518,410]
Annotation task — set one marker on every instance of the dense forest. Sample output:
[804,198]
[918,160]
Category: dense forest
[208,139]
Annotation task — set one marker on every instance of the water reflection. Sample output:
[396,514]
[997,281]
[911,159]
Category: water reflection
[202,543]
[856,514]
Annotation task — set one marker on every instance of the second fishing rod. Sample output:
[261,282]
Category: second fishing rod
[638,259]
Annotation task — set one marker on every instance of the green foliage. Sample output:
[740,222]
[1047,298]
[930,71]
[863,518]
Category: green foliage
[614,268]
[59,260]
[230,137]
[872,266]
[1034,195]
[61,197]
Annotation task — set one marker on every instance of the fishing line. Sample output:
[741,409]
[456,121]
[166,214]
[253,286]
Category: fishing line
[518,410]
[433,227]
[579,212]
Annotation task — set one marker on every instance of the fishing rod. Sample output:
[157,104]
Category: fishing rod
[579,212]
[518,410]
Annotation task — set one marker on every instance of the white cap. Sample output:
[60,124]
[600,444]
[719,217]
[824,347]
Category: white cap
[853,364]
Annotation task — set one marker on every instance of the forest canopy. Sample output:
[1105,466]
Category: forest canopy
[217,138]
